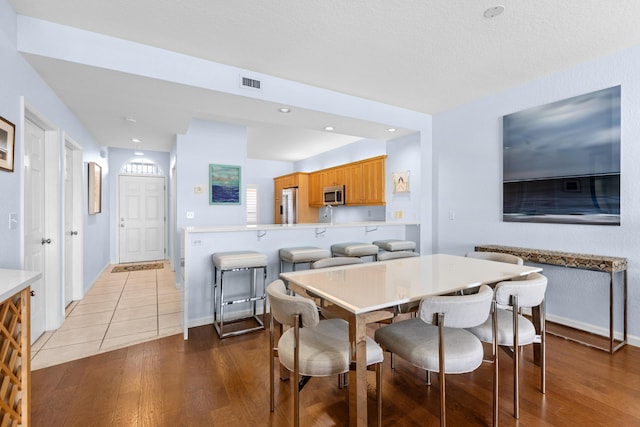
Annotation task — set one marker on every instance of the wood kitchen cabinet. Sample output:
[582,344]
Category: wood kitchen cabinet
[315,188]
[324,178]
[300,180]
[365,182]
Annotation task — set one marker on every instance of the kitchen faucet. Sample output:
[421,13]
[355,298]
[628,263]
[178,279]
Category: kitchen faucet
[329,211]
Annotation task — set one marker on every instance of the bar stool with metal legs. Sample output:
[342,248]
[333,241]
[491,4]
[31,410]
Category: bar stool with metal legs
[225,262]
[393,245]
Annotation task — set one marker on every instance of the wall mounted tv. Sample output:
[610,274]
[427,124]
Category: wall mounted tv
[561,161]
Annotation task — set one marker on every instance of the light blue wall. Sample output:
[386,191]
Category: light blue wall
[358,150]
[403,154]
[221,143]
[18,80]
[468,182]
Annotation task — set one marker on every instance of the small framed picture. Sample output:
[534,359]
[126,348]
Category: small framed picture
[224,185]
[7,144]
[400,182]
[95,188]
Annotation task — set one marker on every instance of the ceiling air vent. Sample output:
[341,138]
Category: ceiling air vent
[249,83]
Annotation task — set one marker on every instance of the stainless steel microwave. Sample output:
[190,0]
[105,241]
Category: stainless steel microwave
[333,195]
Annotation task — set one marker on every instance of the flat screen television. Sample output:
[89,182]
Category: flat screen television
[561,161]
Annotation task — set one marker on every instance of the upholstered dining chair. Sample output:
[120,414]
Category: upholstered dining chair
[515,330]
[311,347]
[387,256]
[437,341]
[336,261]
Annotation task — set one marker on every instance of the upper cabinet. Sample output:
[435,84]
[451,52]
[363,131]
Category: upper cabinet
[364,182]
[324,178]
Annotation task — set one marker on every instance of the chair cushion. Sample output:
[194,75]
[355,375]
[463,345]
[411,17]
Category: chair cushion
[395,245]
[336,261]
[386,256]
[239,259]
[303,254]
[324,350]
[526,330]
[354,249]
[417,342]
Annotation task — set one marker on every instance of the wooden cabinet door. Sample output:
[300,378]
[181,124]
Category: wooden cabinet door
[373,181]
[315,188]
[353,186]
[334,176]
[278,185]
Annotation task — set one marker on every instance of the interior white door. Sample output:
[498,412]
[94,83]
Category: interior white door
[69,233]
[36,240]
[141,218]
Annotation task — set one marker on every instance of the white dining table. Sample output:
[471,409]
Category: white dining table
[360,294]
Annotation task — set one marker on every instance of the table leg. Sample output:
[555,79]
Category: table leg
[358,372]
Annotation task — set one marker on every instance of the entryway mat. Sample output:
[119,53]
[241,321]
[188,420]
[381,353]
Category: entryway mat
[137,267]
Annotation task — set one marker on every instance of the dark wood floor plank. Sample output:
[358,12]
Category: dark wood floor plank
[205,381]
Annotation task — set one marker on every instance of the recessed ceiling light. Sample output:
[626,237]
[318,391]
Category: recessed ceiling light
[328,128]
[138,153]
[494,11]
[391,130]
[130,119]
[284,110]
[136,140]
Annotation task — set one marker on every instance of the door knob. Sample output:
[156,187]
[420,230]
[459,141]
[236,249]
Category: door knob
[45,241]
[33,293]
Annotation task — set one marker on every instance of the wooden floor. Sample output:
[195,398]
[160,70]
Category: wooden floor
[208,382]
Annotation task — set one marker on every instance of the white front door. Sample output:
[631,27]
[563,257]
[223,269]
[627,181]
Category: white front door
[35,240]
[141,218]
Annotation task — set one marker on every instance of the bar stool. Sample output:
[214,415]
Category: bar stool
[393,245]
[238,261]
[301,255]
[355,249]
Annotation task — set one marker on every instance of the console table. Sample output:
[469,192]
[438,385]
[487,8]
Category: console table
[606,264]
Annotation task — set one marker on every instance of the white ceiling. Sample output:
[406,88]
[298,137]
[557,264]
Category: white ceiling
[428,56]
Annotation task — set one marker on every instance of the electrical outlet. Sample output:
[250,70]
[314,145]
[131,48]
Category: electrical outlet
[191,215]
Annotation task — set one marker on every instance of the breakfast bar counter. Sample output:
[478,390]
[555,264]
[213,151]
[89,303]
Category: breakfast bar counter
[199,243]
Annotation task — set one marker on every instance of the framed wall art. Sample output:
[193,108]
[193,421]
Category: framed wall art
[95,188]
[400,182]
[7,144]
[561,161]
[224,185]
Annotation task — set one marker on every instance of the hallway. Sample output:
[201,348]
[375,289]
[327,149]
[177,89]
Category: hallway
[121,309]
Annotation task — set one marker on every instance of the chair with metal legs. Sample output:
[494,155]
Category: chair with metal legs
[514,330]
[311,347]
[437,341]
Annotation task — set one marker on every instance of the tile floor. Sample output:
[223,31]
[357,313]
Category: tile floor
[121,309]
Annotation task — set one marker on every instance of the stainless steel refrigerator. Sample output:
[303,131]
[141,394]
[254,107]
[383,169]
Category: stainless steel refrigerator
[289,206]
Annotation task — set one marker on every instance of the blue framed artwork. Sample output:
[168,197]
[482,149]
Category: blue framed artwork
[561,161]
[224,185]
